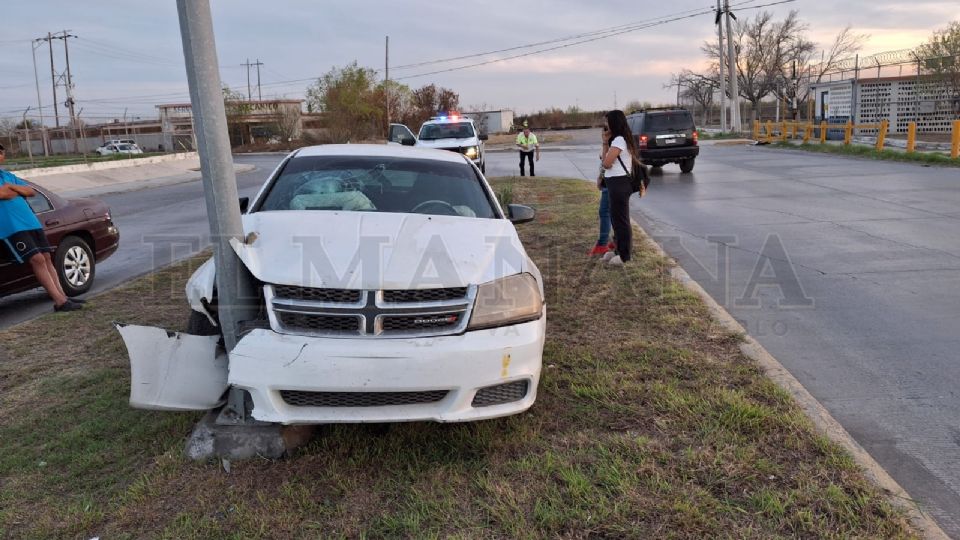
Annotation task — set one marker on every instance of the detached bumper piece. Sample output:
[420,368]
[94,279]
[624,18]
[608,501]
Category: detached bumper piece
[501,393]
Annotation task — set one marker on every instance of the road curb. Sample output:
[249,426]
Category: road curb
[822,420]
[149,183]
[103,165]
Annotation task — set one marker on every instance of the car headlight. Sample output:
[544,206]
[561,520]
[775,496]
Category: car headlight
[510,300]
[472,152]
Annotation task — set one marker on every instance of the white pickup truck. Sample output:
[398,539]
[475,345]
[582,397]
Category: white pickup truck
[445,132]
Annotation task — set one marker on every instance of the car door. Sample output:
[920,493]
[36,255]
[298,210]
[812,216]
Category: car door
[400,133]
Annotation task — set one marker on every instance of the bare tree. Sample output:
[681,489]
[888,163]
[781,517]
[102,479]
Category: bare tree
[941,56]
[698,88]
[847,44]
[765,47]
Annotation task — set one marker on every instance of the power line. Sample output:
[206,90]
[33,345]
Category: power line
[548,42]
[580,42]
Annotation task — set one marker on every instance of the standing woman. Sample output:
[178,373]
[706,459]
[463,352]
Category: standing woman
[619,156]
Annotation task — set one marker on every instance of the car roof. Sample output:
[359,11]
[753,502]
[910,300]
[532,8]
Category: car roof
[380,150]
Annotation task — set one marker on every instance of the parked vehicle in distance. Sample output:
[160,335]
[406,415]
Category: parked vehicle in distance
[119,148]
[666,135]
[392,287]
[83,234]
[445,132]
[121,141]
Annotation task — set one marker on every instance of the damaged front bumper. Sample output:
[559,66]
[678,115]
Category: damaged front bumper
[304,380]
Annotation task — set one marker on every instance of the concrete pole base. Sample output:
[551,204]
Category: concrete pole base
[235,442]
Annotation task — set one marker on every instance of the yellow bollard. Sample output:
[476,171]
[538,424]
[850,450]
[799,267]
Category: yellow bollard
[823,132]
[882,134]
[911,137]
[769,131]
[807,133]
[784,131]
[756,130]
[848,133]
[955,141]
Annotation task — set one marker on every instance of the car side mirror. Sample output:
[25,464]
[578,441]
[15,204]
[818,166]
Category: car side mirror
[519,213]
[244,204]
[408,141]
[484,137]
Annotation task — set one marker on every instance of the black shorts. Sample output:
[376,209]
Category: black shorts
[22,245]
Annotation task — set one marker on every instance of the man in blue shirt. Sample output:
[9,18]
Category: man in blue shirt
[22,235]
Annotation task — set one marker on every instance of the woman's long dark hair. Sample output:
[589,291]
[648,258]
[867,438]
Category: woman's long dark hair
[619,128]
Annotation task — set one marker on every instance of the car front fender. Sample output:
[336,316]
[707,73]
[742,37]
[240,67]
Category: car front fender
[201,287]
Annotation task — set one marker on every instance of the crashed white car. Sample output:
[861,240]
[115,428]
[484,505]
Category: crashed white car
[394,288]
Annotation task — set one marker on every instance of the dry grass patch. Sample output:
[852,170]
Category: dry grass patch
[649,423]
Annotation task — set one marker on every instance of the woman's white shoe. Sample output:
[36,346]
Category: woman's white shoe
[616,261]
[608,255]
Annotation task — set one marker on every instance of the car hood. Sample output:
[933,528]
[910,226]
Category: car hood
[448,143]
[364,250]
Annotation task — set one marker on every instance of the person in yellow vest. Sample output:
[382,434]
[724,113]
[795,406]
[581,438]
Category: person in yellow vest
[528,144]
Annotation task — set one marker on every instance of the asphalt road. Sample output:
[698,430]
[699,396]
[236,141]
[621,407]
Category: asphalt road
[157,226]
[847,271]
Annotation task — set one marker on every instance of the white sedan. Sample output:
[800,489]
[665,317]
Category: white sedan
[392,286]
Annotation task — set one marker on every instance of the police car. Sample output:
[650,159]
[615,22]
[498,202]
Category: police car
[451,131]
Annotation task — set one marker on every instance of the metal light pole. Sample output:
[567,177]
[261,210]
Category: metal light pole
[723,86]
[216,164]
[26,128]
[735,122]
[36,80]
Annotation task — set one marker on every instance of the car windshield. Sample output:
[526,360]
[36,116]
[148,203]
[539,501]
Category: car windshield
[669,121]
[452,130]
[125,147]
[379,184]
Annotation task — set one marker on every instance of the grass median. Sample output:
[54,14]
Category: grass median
[649,423]
[870,152]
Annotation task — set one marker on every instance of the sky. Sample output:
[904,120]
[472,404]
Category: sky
[127,56]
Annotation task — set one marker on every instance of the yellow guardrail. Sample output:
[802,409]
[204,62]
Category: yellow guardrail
[782,131]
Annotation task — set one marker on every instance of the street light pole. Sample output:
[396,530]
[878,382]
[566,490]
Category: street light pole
[234,287]
[735,121]
[723,86]
[36,80]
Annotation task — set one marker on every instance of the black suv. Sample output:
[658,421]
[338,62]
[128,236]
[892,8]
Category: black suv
[664,136]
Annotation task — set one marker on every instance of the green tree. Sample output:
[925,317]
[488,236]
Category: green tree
[941,58]
[350,102]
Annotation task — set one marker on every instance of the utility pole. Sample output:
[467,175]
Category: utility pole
[259,95]
[36,80]
[53,79]
[735,120]
[70,100]
[723,85]
[386,80]
[26,127]
[249,94]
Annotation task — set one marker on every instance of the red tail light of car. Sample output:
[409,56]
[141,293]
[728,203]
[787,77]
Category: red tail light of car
[696,137]
[643,141]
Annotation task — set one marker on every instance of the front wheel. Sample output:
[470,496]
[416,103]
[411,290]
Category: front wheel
[75,265]
[687,165]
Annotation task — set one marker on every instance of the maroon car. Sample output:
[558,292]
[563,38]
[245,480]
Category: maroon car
[83,234]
